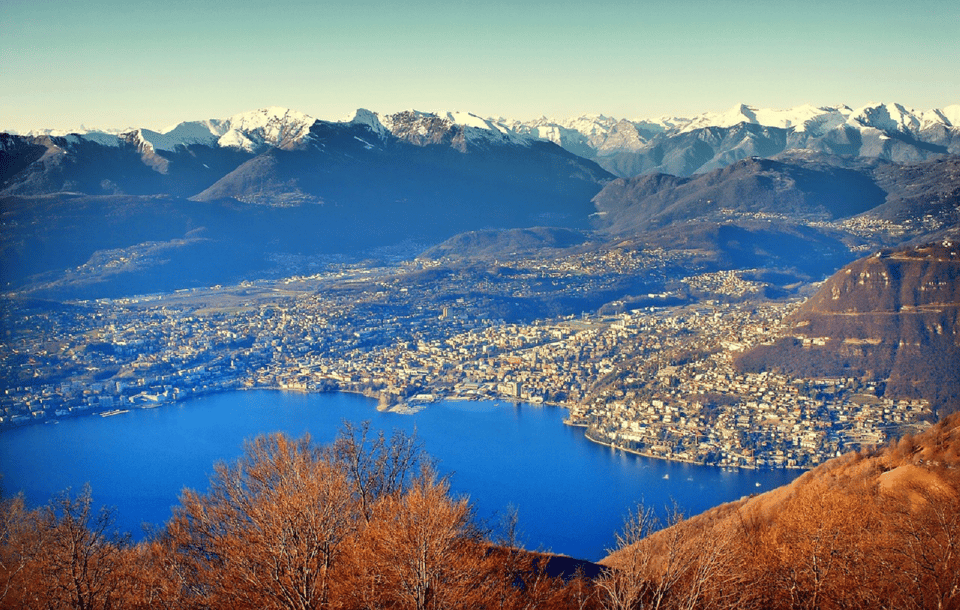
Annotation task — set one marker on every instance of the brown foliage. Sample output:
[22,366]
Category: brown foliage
[366,523]
[925,520]
[679,567]
[269,530]
[61,556]
[353,525]
[421,550]
[819,552]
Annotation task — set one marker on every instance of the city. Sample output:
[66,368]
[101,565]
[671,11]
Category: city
[656,375]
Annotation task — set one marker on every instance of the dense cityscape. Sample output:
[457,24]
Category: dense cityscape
[656,376]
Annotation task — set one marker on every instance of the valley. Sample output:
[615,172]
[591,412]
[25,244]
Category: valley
[487,306]
[654,373]
[751,319]
[419,257]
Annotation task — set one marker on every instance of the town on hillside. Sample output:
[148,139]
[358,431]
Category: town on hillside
[656,376]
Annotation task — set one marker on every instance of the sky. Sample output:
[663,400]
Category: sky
[132,63]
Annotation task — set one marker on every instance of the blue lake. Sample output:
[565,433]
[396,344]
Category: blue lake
[571,495]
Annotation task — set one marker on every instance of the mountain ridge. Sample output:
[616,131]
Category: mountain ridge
[892,317]
[675,145]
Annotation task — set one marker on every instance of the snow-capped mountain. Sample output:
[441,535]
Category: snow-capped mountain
[230,194]
[673,145]
[685,146]
[461,130]
[250,131]
[804,118]
[239,192]
[280,157]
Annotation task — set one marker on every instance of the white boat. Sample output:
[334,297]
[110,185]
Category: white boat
[114,412]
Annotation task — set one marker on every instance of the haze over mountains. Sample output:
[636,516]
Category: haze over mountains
[215,201]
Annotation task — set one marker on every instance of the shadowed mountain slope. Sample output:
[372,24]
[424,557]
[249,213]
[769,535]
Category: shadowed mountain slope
[85,218]
[797,189]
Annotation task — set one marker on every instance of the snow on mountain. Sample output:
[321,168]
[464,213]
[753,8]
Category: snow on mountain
[103,137]
[62,133]
[573,140]
[800,118]
[933,118]
[952,114]
[369,119]
[468,119]
[898,118]
[885,117]
[478,129]
[594,127]
[100,137]
[594,136]
[250,131]
[185,134]
[460,129]
[591,134]
[274,126]
[803,118]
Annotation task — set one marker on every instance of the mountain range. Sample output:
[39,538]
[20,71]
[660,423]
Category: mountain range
[670,145]
[130,214]
[215,201]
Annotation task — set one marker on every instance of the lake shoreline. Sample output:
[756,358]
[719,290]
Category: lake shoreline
[571,493]
[391,407]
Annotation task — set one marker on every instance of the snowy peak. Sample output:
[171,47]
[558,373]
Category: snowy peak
[685,146]
[800,119]
[885,117]
[420,128]
[591,134]
[185,134]
[741,113]
[368,119]
[951,114]
[468,119]
[268,127]
[625,147]
[250,131]
[573,140]
[896,118]
[461,130]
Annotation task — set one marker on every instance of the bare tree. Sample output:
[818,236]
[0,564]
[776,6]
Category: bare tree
[425,548]
[377,466]
[623,586]
[707,574]
[79,563]
[926,525]
[674,567]
[20,542]
[269,530]
[821,549]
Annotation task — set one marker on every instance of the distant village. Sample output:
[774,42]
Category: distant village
[657,379]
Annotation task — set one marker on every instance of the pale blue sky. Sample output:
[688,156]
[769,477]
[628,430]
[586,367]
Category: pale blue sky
[114,64]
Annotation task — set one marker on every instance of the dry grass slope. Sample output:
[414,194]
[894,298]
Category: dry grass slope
[876,529]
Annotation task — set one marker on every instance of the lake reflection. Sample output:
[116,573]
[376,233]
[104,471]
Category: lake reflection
[571,494]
